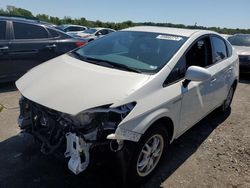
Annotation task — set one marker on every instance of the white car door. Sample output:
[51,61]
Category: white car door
[196,96]
[221,70]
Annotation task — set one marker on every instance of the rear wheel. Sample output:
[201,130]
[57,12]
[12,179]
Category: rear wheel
[227,103]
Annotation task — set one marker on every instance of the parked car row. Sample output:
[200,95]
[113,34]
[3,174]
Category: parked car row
[93,33]
[83,32]
[71,29]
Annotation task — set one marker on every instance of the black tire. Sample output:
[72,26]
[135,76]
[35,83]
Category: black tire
[134,174]
[227,102]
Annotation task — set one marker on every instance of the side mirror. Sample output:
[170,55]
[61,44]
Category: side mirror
[98,33]
[195,73]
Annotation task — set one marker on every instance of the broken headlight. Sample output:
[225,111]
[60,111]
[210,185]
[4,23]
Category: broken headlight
[98,116]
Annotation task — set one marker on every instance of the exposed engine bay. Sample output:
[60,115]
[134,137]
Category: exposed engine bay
[72,136]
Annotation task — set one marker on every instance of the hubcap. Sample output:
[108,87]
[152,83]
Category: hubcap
[150,155]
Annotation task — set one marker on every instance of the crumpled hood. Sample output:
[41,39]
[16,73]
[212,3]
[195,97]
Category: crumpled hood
[70,85]
[242,50]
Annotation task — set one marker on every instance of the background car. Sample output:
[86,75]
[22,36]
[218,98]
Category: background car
[94,33]
[225,36]
[71,29]
[25,43]
[241,42]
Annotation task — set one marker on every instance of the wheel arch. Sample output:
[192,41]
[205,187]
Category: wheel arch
[167,123]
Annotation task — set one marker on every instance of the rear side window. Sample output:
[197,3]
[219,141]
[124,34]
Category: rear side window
[53,33]
[29,31]
[200,54]
[73,28]
[2,30]
[220,49]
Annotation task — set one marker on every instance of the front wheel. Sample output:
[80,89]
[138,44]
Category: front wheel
[148,153]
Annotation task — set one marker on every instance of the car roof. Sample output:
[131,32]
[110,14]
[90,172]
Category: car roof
[25,20]
[166,30]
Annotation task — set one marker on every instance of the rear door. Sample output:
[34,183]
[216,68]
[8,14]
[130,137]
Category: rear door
[221,70]
[30,46]
[5,67]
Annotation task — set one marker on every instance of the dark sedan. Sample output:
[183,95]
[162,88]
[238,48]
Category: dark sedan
[25,43]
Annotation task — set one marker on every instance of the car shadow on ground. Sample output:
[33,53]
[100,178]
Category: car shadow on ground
[7,87]
[22,164]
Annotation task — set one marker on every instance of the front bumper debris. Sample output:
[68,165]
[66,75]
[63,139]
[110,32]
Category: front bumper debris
[78,152]
[57,135]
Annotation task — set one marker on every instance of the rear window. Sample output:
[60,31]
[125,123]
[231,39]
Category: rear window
[240,40]
[53,33]
[29,31]
[2,30]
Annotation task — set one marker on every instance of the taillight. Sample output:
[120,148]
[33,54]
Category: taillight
[79,44]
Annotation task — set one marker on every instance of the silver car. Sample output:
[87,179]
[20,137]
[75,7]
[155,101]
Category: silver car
[241,43]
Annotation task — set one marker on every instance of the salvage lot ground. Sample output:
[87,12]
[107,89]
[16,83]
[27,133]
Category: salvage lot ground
[214,153]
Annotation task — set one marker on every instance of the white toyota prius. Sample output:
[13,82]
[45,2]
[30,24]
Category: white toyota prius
[132,93]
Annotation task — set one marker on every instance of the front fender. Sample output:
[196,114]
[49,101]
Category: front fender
[133,129]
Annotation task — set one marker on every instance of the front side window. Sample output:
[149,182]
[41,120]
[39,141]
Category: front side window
[143,51]
[220,49]
[2,30]
[200,54]
[29,31]
[53,33]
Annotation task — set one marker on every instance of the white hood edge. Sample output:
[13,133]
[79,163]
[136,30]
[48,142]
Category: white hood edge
[70,85]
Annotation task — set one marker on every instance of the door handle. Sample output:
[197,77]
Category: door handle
[4,48]
[213,80]
[50,46]
[229,69]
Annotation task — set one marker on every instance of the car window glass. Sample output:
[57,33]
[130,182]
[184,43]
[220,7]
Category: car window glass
[104,32]
[144,51]
[240,40]
[53,33]
[220,50]
[2,30]
[200,54]
[29,31]
[178,72]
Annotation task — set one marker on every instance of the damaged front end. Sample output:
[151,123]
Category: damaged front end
[74,137]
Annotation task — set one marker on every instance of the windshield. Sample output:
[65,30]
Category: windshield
[143,51]
[90,31]
[240,40]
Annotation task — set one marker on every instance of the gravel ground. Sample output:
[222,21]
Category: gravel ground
[214,153]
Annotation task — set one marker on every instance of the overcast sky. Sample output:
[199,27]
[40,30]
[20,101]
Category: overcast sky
[221,13]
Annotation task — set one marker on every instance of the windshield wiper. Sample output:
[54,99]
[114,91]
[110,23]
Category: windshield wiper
[103,62]
[115,65]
